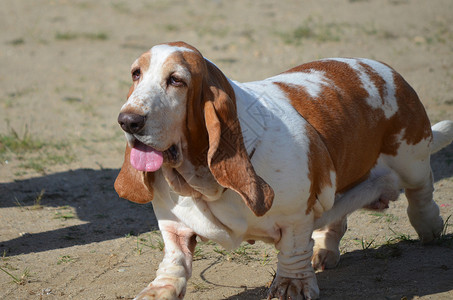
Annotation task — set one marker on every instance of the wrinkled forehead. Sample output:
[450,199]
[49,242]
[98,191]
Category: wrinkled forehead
[159,56]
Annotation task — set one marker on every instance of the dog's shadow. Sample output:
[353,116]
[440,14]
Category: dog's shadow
[90,193]
[403,270]
[442,163]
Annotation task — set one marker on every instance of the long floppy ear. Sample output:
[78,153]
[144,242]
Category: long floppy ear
[133,185]
[227,157]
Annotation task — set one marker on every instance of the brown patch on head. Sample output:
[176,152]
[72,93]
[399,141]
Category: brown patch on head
[354,133]
[143,61]
[142,64]
[131,90]
[134,185]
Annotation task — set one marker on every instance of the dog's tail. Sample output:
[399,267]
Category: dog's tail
[442,135]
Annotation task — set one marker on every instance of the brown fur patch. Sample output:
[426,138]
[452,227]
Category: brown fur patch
[131,90]
[411,116]
[354,133]
[144,61]
[319,167]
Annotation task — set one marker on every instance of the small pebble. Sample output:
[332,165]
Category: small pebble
[419,40]
[47,291]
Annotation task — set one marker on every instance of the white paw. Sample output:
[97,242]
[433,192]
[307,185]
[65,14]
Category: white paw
[325,258]
[426,221]
[294,289]
[430,231]
[163,290]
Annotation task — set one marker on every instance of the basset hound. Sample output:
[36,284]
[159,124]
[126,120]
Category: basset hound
[283,160]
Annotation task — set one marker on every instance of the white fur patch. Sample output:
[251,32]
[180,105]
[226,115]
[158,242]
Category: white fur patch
[312,82]
[152,77]
[411,163]
[160,53]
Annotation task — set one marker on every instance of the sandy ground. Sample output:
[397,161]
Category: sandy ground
[65,234]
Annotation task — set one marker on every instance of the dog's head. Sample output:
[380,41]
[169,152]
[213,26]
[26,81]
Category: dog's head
[181,107]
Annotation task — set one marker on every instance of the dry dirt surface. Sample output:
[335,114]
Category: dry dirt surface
[65,234]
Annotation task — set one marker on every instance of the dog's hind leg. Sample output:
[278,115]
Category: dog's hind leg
[375,193]
[326,253]
[423,212]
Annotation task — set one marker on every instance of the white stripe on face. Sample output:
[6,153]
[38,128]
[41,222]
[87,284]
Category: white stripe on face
[152,79]
[160,54]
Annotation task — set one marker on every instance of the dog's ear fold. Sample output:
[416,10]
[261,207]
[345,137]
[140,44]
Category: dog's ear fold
[134,185]
[227,157]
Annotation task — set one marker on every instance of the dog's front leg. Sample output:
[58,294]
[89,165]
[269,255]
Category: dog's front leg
[176,267]
[295,277]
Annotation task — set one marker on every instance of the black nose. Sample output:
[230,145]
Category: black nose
[131,123]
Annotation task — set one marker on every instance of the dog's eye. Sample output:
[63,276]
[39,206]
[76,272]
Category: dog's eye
[136,74]
[175,81]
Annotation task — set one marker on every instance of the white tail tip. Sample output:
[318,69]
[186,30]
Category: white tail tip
[442,135]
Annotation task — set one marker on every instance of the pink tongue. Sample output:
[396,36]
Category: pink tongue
[145,158]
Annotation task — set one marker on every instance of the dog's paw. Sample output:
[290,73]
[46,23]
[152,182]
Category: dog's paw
[389,191]
[168,289]
[430,230]
[294,289]
[158,293]
[325,258]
